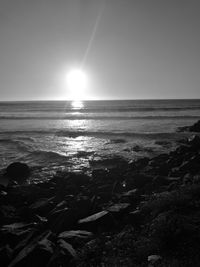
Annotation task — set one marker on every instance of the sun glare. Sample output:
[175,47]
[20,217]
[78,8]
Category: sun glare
[77,83]
[77,104]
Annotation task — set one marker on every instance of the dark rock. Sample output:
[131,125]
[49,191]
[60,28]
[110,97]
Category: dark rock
[101,220]
[5,255]
[13,234]
[8,214]
[139,164]
[188,179]
[163,143]
[100,173]
[119,209]
[194,141]
[76,237]
[65,219]
[78,179]
[163,180]
[196,179]
[17,227]
[67,247]
[191,165]
[29,254]
[18,171]
[130,196]
[140,180]
[174,161]
[75,234]
[159,159]
[64,255]
[195,127]
[154,259]
[135,218]
[4,181]
[181,150]
[163,169]
[42,206]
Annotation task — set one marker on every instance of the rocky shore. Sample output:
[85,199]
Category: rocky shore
[140,213]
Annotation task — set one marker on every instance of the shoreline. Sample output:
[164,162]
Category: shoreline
[139,213]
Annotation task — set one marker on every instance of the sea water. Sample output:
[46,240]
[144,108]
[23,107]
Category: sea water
[54,135]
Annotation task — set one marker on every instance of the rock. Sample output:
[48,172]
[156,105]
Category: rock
[191,165]
[174,161]
[42,206]
[79,179]
[135,217]
[63,255]
[18,171]
[4,181]
[17,227]
[5,255]
[8,214]
[187,179]
[29,255]
[76,237]
[158,160]
[194,141]
[130,196]
[119,209]
[164,180]
[75,234]
[163,143]
[100,220]
[196,179]
[154,260]
[138,164]
[140,180]
[163,169]
[62,220]
[195,127]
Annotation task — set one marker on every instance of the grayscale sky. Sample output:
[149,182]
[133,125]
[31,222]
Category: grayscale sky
[129,49]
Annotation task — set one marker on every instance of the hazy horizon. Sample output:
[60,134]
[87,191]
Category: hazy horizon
[107,99]
[130,49]
[86,100]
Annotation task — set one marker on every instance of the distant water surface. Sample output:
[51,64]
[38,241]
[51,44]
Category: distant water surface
[55,135]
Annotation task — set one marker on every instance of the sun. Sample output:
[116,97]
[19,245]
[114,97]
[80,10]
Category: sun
[77,83]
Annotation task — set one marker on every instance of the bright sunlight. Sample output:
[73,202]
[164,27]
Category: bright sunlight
[77,83]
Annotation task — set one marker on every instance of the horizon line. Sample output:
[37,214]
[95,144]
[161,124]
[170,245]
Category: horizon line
[87,100]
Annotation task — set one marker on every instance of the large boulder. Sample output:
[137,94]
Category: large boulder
[194,141]
[18,172]
[195,127]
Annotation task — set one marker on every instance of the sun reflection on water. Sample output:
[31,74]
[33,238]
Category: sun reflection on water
[77,105]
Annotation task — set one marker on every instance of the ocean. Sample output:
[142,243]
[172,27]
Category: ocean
[61,135]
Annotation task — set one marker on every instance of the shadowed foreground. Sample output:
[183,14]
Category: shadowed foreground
[143,213]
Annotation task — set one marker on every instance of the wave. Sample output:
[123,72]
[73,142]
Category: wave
[48,155]
[82,117]
[107,134]
[104,109]
[21,145]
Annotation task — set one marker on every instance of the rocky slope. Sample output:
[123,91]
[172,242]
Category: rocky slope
[140,213]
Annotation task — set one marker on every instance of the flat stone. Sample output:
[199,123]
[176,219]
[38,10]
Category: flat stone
[119,208]
[94,217]
[101,220]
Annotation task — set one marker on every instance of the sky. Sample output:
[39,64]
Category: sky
[128,49]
